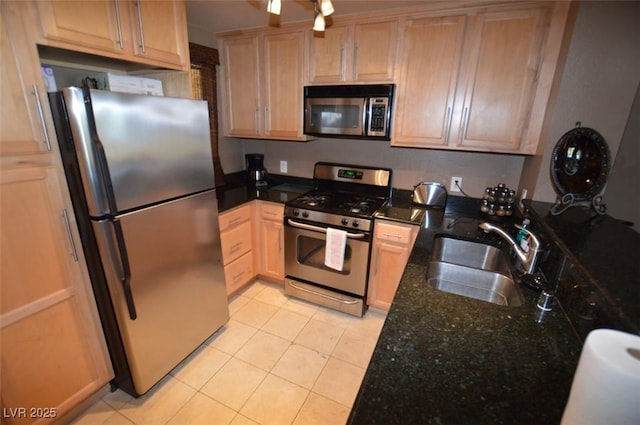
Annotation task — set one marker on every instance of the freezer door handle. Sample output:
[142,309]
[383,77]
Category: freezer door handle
[103,167]
[125,278]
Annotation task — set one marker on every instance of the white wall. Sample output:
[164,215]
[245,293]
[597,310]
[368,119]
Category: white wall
[622,195]
[598,84]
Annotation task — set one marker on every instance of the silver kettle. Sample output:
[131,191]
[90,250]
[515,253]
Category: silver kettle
[430,194]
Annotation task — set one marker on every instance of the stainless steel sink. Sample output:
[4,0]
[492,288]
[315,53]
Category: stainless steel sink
[471,254]
[474,270]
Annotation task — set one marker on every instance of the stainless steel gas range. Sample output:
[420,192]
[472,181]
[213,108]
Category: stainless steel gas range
[335,221]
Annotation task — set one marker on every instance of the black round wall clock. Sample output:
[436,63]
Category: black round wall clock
[579,169]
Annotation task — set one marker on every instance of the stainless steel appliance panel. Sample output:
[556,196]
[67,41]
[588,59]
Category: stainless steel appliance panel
[360,111]
[304,259]
[327,298]
[335,116]
[175,278]
[146,148]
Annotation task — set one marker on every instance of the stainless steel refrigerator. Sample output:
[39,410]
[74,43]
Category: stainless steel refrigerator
[140,173]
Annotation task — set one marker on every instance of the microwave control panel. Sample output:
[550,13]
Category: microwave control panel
[377,116]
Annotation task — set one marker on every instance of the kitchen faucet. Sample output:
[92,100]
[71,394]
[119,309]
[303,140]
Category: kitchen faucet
[529,259]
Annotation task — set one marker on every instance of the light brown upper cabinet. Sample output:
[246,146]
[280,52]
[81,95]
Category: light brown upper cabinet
[430,60]
[262,85]
[241,86]
[363,52]
[23,128]
[145,31]
[478,81]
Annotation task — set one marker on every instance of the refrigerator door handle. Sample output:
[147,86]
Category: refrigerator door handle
[103,167]
[125,278]
[101,157]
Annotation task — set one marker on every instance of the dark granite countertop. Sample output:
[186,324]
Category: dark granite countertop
[608,253]
[281,189]
[446,359]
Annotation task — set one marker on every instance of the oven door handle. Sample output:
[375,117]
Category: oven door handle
[321,229]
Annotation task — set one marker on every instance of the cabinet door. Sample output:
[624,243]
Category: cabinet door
[388,262]
[242,86]
[283,70]
[271,240]
[157,29]
[53,352]
[429,64]
[362,52]
[23,130]
[392,245]
[327,55]
[95,24]
[374,51]
[500,81]
[273,250]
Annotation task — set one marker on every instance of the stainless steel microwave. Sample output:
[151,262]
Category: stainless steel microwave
[349,111]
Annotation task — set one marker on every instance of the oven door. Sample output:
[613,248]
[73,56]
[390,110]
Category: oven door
[305,251]
[335,116]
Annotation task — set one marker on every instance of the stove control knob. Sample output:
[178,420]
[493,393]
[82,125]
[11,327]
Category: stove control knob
[355,223]
[344,221]
[296,213]
[305,214]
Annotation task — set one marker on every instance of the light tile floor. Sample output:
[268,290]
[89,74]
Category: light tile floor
[278,361]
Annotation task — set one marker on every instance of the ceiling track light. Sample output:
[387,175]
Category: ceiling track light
[318,21]
[321,8]
[326,7]
[274,6]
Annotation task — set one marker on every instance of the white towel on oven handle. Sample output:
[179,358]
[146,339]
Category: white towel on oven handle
[335,247]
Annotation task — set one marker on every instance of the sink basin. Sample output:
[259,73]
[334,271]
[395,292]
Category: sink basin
[471,254]
[473,270]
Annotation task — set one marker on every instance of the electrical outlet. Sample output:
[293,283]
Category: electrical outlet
[284,167]
[453,187]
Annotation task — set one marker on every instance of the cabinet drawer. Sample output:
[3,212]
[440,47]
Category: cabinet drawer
[269,211]
[236,242]
[234,217]
[238,273]
[396,233]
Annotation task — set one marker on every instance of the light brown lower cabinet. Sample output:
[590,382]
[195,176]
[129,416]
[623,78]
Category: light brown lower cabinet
[237,246]
[392,244]
[54,354]
[270,240]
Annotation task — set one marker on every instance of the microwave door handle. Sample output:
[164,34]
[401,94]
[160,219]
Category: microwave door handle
[365,124]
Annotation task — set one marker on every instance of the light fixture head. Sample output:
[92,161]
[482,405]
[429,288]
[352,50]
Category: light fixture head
[326,7]
[273,6]
[321,8]
[318,22]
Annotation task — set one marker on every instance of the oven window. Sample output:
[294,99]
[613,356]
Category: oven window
[310,252]
[336,116]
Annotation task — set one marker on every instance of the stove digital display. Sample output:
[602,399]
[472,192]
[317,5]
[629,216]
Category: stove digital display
[350,174]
